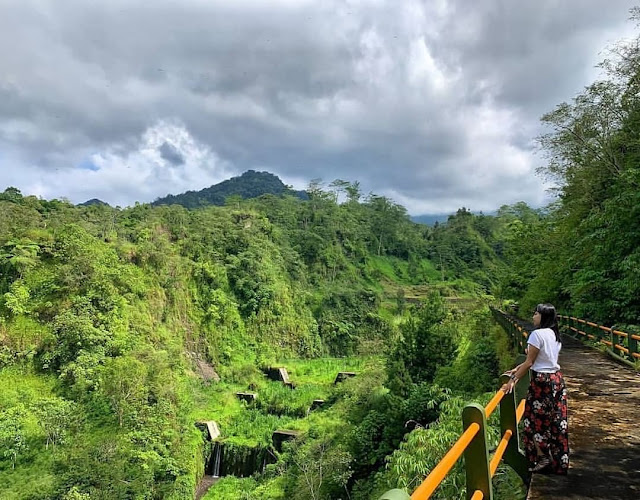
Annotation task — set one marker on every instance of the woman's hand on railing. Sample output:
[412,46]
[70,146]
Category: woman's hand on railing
[508,387]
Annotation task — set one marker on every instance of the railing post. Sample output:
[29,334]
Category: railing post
[567,331]
[395,495]
[476,456]
[522,387]
[600,334]
[572,324]
[513,456]
[521,341]
[613,338]
[514,336]
[632,345]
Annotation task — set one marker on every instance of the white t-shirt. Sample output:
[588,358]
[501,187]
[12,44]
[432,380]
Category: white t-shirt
[545,340]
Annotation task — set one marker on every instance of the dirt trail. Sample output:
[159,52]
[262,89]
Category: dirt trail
[203,486]
[604,429]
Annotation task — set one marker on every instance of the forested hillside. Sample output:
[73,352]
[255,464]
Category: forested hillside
[110,318]
[250,184]
[120,329]
[582,252]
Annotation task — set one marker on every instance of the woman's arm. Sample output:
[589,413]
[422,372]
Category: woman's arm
[519,371]
[512,371]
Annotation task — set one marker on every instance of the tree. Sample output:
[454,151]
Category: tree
[76,334]
[56,417]
[322,468]
[75,494]
[20,255]
[17,298]
[338,187]
[426,343]
[233,201]
[386,221]
[353,192]
[123,382]
[12,433]
[593,148]
[11,194]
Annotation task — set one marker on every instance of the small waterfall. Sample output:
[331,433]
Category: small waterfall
[216,458]
[232,460]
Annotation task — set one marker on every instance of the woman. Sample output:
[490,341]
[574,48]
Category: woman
[545,435]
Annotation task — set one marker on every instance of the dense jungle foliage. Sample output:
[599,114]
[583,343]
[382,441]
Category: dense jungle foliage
[582,251]
[122,328]
[110,318]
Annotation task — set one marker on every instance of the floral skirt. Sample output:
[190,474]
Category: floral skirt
[545,421]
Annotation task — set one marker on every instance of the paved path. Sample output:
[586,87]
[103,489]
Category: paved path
[604,429]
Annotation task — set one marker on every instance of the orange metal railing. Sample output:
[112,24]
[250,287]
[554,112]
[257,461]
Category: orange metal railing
[461,446]
[622,345]
[440,471]
[479,468]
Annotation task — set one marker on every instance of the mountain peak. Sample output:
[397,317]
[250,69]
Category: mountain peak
[250,184]
[93,201]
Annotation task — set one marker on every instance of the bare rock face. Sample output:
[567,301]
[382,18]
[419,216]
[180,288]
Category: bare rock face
[207,371]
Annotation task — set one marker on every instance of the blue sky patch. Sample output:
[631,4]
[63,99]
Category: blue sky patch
[87,164]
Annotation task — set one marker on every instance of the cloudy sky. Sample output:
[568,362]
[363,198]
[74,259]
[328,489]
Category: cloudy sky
[433,103]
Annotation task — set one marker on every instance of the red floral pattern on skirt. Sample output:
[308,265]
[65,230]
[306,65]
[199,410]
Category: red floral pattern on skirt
[545,420]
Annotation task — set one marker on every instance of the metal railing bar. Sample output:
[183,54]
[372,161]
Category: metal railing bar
[460,447]
[439,472]
[502,447]
[520,411]
[492,405]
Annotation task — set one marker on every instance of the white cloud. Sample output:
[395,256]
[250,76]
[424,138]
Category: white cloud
[435,103]
[141,174]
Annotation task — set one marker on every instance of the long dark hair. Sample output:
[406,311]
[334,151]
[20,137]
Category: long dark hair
[549,318]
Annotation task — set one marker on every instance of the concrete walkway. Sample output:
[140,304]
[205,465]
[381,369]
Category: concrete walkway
[604,429]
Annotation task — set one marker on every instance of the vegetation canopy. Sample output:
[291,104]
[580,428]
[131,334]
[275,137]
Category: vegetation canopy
[120,329]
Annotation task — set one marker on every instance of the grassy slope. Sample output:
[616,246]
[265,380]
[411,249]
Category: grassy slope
[25,388]
[313,379]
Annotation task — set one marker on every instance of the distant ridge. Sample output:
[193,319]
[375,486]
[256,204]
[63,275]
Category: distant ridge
[93,201]
[250,184]
[430,220]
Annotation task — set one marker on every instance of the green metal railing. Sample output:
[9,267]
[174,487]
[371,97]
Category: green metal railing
[621,345]
[518,334]
[479,469]
[473,443]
